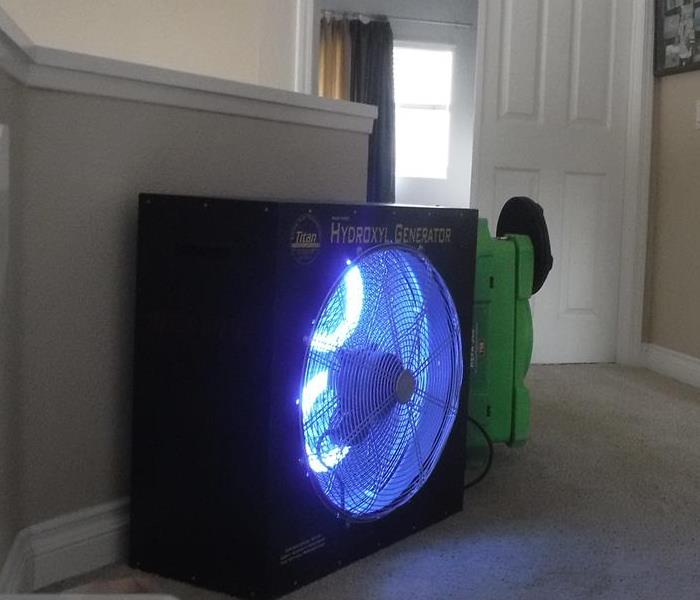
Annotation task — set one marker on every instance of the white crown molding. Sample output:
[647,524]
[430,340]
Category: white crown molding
[60,70]
[673,364]
[65,547]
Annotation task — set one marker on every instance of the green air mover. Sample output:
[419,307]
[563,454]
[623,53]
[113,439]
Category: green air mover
[510,268]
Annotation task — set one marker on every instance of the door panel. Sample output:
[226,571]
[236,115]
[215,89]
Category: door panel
[592,58]
[520,64]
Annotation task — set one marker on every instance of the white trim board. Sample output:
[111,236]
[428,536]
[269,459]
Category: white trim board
[65,547]
[306,25]
[636,191]
[673,364]
[60,70]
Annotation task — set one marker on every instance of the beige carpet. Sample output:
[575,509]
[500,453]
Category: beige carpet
[603,502]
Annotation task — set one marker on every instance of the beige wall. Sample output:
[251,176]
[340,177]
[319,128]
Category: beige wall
[86,160]
[244,40]
[9,414]
[673,281]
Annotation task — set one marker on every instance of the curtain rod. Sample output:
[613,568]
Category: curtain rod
[395,18]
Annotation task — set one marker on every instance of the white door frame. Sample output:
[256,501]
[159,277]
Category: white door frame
[636,178]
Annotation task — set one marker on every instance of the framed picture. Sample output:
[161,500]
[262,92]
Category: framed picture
[677,38]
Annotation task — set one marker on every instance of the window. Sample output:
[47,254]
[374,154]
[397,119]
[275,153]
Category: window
[422,89]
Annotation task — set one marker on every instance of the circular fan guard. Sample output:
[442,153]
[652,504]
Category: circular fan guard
[381,382]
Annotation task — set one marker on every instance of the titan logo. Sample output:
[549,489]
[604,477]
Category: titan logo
[304,239]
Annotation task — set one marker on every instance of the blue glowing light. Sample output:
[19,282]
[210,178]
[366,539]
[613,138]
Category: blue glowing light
[333,332]
[326,457]
[312,390]
[381,382]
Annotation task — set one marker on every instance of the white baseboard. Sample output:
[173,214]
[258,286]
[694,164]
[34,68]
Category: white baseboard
[65,547]
[679,366]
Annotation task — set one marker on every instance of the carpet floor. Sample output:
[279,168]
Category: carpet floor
[603,502]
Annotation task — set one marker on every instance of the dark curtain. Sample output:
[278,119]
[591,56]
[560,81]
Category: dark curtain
[372,82]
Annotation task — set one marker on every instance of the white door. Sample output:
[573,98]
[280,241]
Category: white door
[552,125]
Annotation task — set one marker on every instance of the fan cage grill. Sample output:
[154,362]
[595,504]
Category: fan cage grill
[381,382]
